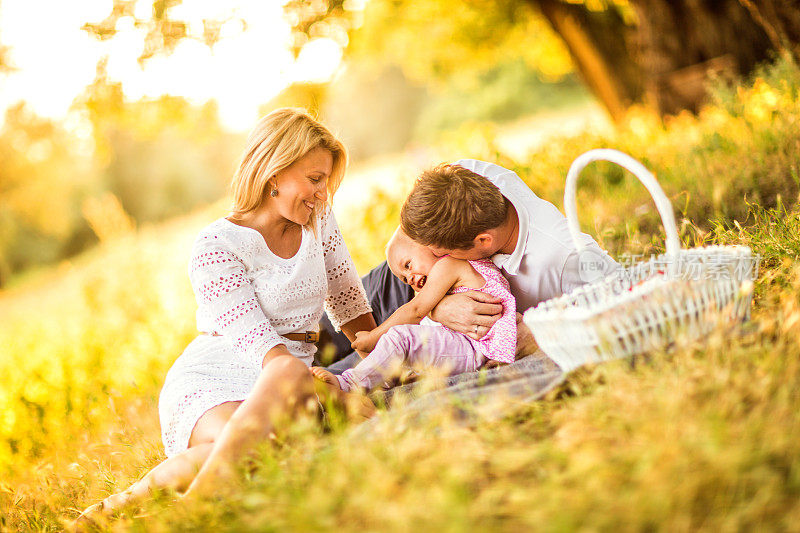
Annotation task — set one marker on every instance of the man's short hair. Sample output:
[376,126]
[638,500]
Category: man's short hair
[450,205]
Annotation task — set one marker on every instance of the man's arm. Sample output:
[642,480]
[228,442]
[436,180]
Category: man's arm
[472,313]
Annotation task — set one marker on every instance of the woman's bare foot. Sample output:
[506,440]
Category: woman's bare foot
[101,511]
[94,515]
[325,375]
[174,473]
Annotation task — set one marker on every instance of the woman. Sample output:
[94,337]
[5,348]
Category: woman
[261,277]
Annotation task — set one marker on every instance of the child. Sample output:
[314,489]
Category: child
[401,340]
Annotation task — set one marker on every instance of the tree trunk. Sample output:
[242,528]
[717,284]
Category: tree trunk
[666,56]
[600,44]
[681,40]
[780,19]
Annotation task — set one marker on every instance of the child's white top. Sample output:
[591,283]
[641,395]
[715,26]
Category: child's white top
[545,263]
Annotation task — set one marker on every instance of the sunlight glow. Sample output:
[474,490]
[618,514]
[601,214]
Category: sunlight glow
[55,59]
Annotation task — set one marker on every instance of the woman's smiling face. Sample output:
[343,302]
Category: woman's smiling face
[302,186]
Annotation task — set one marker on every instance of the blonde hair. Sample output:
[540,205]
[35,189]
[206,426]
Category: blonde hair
[279,140]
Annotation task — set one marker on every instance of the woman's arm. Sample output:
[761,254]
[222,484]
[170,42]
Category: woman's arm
[444,274]
[227,298]
[346,300]
[364,322]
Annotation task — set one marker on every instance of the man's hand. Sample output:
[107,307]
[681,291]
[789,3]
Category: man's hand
[526,344]
[472,313]
[364,342]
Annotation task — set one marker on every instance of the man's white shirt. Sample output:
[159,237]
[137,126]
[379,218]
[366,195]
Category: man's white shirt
[545,263]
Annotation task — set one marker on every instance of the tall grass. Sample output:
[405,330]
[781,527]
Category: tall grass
[703,438]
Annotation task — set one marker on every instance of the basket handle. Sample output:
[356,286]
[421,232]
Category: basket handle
[648,180]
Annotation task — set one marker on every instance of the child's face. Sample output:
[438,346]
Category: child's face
[409,261]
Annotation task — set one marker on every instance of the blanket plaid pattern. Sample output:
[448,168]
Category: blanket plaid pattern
[525,380]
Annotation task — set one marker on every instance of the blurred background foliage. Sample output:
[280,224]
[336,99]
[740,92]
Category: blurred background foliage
[159,157]
[86,348]
[412,73]
[115,193]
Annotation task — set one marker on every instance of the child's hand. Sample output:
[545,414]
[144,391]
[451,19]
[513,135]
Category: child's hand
[364,341]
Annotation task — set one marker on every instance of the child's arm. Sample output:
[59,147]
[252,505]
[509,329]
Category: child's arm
[444,274]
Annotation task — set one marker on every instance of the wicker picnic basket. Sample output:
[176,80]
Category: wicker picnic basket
[681,294]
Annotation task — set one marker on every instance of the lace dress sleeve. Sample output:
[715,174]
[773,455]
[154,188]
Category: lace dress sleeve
[346,299]
[226,300]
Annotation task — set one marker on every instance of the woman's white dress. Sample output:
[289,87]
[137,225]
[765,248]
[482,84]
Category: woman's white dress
[247,298]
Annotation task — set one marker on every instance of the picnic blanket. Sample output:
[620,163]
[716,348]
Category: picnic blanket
[525,380]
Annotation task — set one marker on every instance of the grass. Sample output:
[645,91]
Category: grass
[702,438]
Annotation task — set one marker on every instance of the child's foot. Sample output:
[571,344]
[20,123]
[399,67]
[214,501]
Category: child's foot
[325,376]
[357,406]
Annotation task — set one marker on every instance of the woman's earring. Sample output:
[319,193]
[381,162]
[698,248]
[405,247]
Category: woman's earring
[274,192]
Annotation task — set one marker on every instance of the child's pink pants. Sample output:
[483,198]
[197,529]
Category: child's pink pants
[417,347]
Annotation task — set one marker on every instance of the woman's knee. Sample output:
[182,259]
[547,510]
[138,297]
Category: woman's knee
[287,367]
[288,376]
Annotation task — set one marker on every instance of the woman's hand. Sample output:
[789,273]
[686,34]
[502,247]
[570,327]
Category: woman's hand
[364,342]
[472,313]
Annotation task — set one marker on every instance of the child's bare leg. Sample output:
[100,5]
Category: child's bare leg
[175,473]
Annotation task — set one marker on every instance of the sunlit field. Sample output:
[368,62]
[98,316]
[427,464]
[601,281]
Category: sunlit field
[707,437]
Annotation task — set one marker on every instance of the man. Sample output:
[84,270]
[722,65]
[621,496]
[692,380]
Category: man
[472,210]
